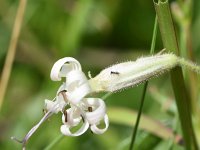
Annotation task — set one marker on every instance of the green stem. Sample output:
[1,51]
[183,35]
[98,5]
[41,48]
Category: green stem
[138,117]
[153,43]
[56,141]
[182,99]
[144,89]
[190,65]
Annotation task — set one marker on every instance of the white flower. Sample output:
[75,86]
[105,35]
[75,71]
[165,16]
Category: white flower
[91,111]
[72,95]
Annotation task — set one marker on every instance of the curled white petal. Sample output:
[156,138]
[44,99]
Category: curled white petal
[73,117]
[75,78]
[79,93]
[63,66]
[60,102]
[55,106]
[77,86]
[65,129]
[48,104]
[97,130]
[97,114]
[98,109]
[63,87]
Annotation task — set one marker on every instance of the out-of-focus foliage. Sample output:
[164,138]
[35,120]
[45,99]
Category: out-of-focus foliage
[98,34]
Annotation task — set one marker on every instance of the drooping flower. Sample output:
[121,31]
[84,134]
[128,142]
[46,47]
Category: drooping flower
[71,101]
[89,110]
[72,97]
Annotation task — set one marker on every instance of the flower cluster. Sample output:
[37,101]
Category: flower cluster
[72,102]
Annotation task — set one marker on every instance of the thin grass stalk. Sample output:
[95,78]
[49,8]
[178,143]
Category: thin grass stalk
[11,50]
[144,89]
[138,116]
[56,141]
[182,99]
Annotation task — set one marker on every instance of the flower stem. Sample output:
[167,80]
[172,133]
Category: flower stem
[56,141]
[190,65]
[182,99]
[138,117]
[144,89]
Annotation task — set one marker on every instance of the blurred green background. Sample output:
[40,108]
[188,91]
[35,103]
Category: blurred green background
[98,34]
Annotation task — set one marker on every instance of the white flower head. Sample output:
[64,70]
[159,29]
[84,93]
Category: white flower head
[72,102]
[73,93]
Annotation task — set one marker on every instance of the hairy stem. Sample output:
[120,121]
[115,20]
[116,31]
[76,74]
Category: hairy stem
[190,65]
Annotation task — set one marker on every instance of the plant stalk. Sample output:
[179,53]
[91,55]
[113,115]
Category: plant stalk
[182,99]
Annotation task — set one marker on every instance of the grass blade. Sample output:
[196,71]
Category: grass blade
[152,126]
[11,50]
[182,100]
[144,89]
[56,141]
